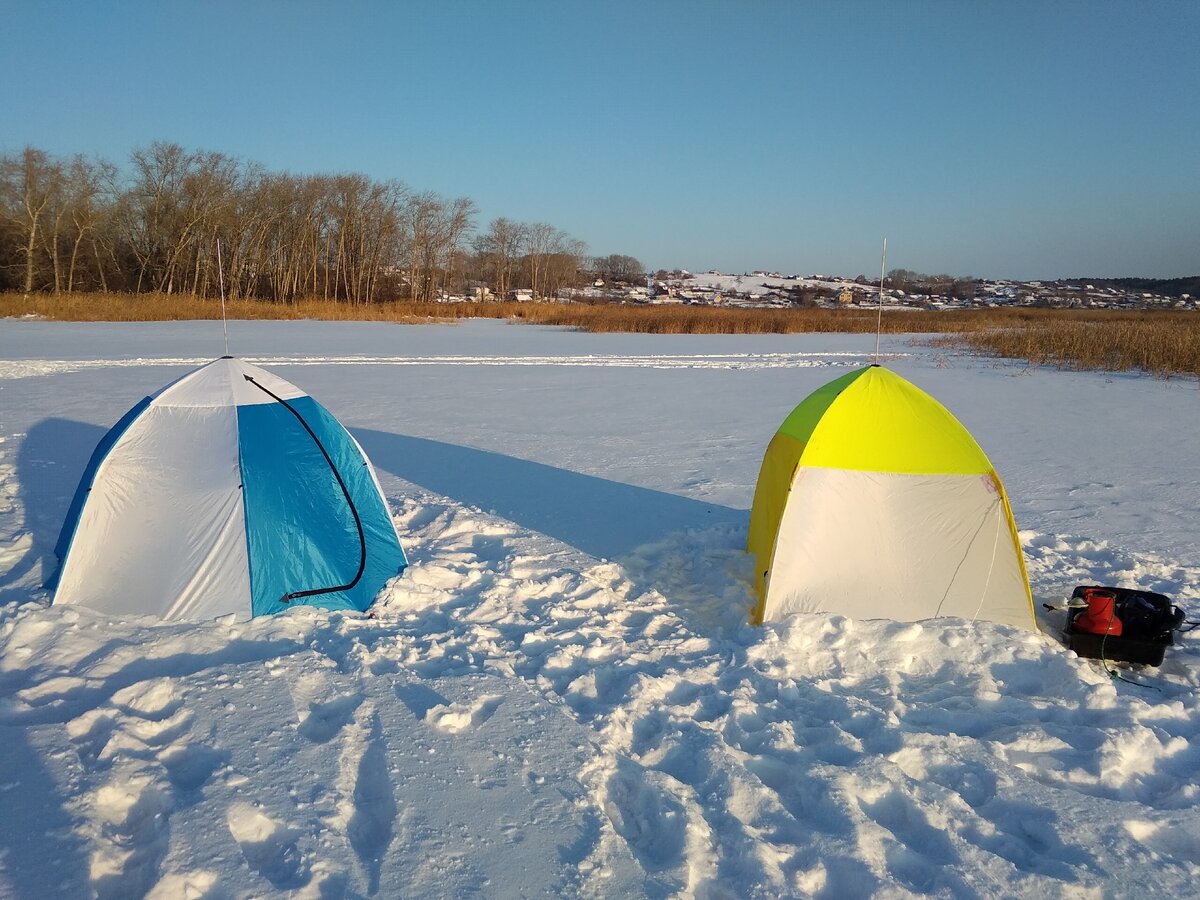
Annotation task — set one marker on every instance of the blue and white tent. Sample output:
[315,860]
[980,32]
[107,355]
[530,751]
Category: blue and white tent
[228,491]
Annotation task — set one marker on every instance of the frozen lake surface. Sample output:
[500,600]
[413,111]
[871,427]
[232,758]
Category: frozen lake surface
[560,695]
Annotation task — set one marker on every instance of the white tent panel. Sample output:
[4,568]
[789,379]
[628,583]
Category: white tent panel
[246,394]
[163,531]
[905,547]
[223,383]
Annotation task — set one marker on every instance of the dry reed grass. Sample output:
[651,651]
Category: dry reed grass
[1163,343]
[599,317]
[174,307]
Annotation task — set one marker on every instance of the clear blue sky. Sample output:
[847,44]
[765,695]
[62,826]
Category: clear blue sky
[1000,139]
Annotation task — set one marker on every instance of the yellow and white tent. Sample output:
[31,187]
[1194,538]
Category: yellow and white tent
[875,502]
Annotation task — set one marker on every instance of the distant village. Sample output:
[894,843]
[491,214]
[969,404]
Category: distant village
[902,290]
[775,290]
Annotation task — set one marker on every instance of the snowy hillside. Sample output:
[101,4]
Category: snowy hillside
[759,283]
[560,695]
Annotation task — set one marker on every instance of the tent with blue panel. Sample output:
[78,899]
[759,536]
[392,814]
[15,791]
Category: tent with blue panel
[229,490]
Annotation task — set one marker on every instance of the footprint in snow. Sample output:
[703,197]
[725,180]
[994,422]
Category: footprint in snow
[189,766]
[269,847]
[321,710]
[1027,836]
[490,548]
[651,819]
[903,817]
[419,698]
[154,699]
[1179,841]
[458,717]
[133,813]
[917,855]
[194,884]
[91,732]
[369,810]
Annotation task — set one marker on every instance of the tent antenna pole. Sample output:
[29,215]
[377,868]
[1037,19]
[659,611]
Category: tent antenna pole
[879,318]
[221,280]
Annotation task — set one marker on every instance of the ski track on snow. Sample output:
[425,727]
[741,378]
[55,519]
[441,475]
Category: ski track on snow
[31,368]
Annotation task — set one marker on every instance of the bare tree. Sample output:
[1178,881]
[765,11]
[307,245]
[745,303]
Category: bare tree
[461,222]
[149,210]
[617,267]
[564,265]
[154,226]
[540,239]
[500,249]
[32,184]
[90,188]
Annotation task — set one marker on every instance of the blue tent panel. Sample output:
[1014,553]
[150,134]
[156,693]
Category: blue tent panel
[300,530]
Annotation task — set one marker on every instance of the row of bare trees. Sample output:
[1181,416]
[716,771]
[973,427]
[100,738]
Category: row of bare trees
[176,221]
[963,288]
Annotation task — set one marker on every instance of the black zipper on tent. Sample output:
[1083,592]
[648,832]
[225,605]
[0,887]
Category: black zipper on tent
[362,541]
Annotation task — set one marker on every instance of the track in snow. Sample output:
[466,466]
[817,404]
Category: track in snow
[31,368]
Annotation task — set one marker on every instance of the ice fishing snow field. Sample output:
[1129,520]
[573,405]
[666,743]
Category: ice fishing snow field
[560,696]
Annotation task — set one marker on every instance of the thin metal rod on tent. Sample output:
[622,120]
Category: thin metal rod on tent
[879,318]
[221,280]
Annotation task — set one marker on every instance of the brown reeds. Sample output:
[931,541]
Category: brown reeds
[599,317]
[98,307]
[1160,342]
[699,319]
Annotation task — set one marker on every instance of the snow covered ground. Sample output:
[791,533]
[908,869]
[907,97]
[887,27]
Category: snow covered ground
[759,283]
[560,695]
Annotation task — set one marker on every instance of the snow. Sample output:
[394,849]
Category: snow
[759,283]
[560,696]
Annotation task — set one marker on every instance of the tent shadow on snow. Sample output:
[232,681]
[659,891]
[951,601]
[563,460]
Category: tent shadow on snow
[53,845]
[53,454]
[606,519]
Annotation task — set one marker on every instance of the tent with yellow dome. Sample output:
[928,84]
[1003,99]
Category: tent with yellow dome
[873,501]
